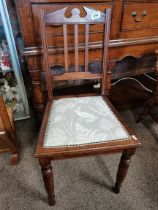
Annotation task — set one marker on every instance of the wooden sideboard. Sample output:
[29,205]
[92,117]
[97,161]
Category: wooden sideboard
[134,32]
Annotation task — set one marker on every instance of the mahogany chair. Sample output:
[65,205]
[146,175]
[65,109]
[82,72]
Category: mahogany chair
[8,140]
[79,126]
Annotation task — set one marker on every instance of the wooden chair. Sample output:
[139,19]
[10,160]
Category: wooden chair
[8,141]
[79,126]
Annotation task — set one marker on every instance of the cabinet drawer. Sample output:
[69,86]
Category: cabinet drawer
[139,16]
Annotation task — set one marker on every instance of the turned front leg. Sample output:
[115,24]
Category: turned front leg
[48,179]
[123,168]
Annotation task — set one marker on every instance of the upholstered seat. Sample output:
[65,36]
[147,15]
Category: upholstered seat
[82,120]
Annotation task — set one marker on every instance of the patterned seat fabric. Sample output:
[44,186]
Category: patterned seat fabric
[82,120]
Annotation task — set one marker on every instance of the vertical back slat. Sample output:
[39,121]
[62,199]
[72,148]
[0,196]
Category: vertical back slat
[86,45]
[65,47]
[76,47]
[105,79]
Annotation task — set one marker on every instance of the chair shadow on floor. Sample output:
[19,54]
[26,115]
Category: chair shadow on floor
[95,180]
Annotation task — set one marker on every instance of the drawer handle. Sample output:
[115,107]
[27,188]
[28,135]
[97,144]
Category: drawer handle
[139,18]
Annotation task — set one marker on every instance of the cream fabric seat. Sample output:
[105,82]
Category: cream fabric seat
[82,120]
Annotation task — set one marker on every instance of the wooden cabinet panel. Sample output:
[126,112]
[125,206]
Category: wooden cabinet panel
[139,19]
[70,1]
[134,32]
[138,16]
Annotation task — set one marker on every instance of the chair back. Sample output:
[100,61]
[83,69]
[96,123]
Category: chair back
[58,18]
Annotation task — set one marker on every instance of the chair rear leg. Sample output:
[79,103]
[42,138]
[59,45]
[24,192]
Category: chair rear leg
[48,179]
[14,158]
[123,168]
[15,155]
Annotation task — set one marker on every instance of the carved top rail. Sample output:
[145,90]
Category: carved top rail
[58,17]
